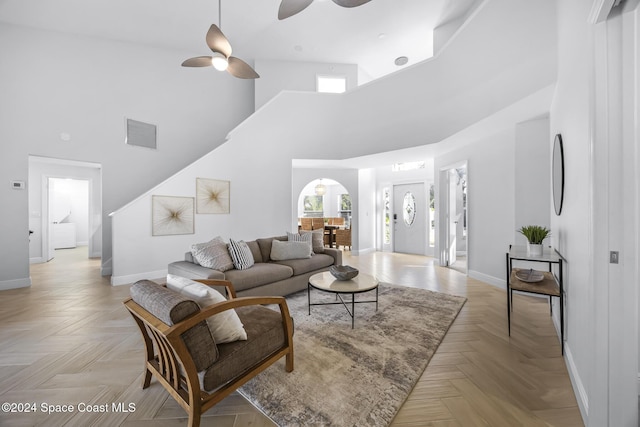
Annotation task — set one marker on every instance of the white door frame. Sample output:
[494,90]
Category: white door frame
[442,213]
[615,221]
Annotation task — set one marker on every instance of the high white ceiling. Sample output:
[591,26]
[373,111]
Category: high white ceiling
[372,35]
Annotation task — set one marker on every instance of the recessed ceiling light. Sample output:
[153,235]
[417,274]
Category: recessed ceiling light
[401,60]
[382,35]
[297,48]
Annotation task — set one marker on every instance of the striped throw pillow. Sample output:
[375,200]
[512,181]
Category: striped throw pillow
[306,238]
[240,254]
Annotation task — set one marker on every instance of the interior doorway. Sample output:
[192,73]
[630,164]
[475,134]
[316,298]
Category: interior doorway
[68,219]
[454,230]
[65,207]
[410,216]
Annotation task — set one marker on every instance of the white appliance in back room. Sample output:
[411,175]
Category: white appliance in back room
[68,207]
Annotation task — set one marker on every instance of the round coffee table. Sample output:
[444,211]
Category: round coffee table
[327,283]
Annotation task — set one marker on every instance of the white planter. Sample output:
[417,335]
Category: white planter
[534,250]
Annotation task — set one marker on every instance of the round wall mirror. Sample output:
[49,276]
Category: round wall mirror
[557,177]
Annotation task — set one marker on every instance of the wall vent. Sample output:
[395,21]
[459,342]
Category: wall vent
[141,134]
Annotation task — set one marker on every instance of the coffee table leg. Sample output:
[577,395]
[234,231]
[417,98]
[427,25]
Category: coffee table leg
[353,310]
[309,297]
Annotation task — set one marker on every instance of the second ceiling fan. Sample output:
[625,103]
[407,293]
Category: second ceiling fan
[289,8]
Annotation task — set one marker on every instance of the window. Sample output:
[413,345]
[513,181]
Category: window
[313,205]
[387,215]
[331,84]
[409,209]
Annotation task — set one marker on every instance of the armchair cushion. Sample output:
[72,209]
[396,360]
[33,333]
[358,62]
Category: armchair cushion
[171,308]
[226,326]
[266,335]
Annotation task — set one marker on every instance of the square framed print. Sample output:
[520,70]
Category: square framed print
[172,215]
[212,196]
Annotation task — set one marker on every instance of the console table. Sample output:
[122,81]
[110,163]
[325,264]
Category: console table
[550,285]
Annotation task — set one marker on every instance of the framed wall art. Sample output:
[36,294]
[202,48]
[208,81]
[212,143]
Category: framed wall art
[172,215]
[212,196]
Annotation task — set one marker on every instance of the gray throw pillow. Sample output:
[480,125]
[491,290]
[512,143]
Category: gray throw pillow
[213,254]
[317,239]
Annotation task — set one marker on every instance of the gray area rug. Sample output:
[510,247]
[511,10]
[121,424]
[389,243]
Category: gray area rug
[354,377]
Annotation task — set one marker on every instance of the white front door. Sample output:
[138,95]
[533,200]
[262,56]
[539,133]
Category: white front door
[410,215]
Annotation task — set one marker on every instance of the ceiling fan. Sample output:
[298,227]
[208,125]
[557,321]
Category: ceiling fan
[221,59]
[289,8]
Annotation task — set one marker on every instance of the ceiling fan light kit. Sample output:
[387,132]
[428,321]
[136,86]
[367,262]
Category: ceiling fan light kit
[219,61]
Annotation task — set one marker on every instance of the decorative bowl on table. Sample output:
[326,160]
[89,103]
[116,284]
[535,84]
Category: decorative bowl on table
[530,276]
[343,272]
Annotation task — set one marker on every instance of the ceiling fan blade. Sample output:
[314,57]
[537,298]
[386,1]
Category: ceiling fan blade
[217,41]
[291,7]
[238,68]
[199,61]
[350,3]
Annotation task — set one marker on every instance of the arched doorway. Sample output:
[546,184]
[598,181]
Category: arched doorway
[326,203]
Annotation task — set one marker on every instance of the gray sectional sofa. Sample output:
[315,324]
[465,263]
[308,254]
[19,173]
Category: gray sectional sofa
[265,277]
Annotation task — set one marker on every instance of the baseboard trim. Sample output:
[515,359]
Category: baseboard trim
[37,260]
[581,394]
[494,281]
[5,285]
[132,278]
[357,252]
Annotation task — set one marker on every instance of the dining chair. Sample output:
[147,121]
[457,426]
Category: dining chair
[306,224]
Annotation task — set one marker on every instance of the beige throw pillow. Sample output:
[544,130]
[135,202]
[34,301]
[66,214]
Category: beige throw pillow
[225,326]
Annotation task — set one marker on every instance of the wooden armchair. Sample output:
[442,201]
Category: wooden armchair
[179,346]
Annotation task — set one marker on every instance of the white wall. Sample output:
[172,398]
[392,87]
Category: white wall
[276,76]
[490,200]
[415,106]
[532,176]
[53,83]
[593,110]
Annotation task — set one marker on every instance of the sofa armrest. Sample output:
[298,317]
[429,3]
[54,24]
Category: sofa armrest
[336,254]
[193,271]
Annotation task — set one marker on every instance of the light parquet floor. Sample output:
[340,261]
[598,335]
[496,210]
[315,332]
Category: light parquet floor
[68,340]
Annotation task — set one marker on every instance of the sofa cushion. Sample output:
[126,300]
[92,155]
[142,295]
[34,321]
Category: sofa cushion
[171,308]
[226,326]
[212,254]
[302,266]
[265,336]
[255,251]
[260,274]
[265,246]
[240,254]
[281,251]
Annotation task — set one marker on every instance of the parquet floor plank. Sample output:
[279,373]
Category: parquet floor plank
[68,340]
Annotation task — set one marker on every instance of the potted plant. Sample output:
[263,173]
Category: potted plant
[535,234]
